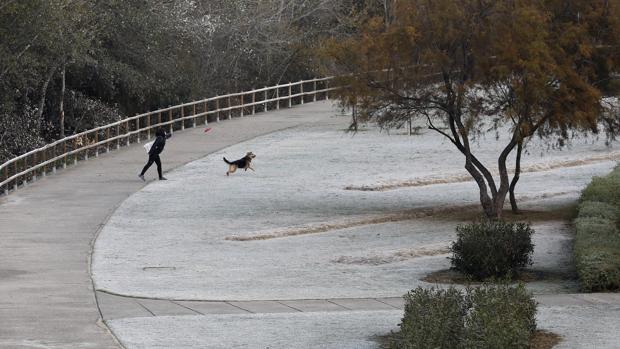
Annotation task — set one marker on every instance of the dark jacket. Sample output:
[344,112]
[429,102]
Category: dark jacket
[160,142]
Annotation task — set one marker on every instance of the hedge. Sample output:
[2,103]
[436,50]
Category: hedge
[486,317]
[597,238]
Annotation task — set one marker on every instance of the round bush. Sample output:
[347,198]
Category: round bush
[501,317]
[492,249]
[434,318]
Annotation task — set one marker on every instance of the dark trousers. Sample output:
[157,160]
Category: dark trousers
[152,159]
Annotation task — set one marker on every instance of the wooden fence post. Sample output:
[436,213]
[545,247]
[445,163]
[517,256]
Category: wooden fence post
[86,144]
[242,104]
[97,143]
[34,163]
[6,176]
[206,113]
[16,172]
[107,138]
[289,94]
[326,88]
[301,84]
[217,108]
[148,126]
[278,98]
[265,99]
[25,177]
[128,134]
[229,109]
[170,119]
[138,128]
[182,118]
[194,110]
[314,94]
[44,166]
[53,157]
[253,103]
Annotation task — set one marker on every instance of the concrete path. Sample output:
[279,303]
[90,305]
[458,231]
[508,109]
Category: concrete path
[47,230]
[118,307]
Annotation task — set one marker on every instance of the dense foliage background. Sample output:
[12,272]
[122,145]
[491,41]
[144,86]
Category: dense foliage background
[70,65]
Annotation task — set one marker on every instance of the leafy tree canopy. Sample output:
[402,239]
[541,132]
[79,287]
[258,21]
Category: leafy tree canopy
[538,66]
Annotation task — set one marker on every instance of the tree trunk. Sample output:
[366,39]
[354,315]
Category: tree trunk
[475,169]
[62,102]
[515,179]
[500,198]
[487,202]
[46,82]
[354,119]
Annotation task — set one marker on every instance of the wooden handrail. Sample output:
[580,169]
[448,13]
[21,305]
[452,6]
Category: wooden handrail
[19,169]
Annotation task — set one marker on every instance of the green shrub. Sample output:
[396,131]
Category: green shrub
[502,317]
[597,237]
[498,316]
[492,249]
[433,319]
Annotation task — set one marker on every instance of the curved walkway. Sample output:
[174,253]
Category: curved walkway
[47,229]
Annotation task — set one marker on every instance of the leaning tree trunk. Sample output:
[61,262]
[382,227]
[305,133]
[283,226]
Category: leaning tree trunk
[515,179]
[500,198]
[48,78]
[487,202]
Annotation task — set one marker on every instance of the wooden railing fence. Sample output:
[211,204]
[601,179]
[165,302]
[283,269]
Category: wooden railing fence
[26,168]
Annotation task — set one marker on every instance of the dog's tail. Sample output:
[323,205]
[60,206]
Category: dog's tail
[226,161]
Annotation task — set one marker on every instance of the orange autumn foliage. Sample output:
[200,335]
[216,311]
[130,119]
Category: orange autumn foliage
[540,66]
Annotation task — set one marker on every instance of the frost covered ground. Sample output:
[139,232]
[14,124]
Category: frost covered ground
[326,215]
[202,235]
[342,330]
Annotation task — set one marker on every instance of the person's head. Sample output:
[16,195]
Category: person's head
[160,132]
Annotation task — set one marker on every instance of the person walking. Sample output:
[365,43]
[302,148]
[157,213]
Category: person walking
[156,149]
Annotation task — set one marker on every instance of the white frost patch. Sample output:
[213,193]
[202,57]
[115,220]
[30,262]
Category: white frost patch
[342,330]
[398,256]
[170,239]
[581,326]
